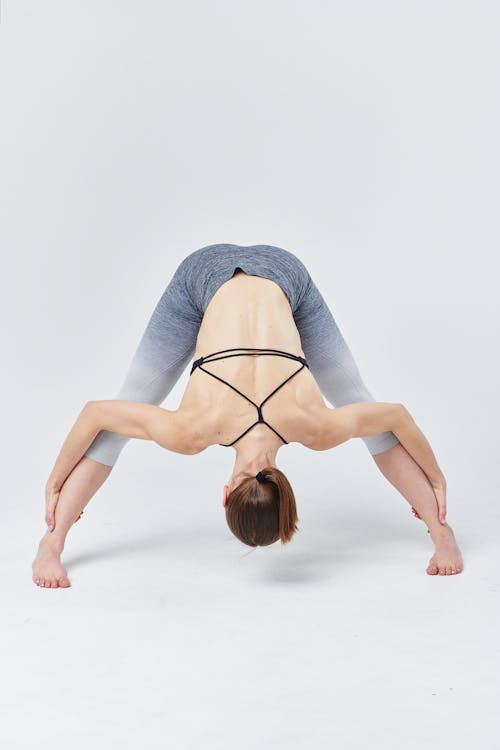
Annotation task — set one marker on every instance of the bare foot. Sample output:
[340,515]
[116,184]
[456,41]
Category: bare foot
[48,571]
[447,559]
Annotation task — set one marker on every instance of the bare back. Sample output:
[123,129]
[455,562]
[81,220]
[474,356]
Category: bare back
[250,311]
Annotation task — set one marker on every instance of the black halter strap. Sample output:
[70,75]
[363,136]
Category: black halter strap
[250,351]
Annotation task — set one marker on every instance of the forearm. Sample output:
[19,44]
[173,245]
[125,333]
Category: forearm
[414,441]
[78,489]
[400,469]
[76,443]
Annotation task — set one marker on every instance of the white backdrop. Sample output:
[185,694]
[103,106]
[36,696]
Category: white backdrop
[363,137]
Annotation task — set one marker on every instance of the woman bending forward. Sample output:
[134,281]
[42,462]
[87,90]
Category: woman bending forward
[264,349]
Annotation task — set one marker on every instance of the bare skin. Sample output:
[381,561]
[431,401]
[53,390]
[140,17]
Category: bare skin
[260,316]
[76,492]
[407,477]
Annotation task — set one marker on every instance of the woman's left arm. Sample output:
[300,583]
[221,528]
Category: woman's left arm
[129,418]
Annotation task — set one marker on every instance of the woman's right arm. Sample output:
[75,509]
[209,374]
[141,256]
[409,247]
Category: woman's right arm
[371,418]
[413,439]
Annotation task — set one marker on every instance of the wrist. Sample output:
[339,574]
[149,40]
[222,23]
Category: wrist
[438,479]
[52,485]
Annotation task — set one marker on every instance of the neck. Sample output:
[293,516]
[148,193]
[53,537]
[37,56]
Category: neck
[253,456]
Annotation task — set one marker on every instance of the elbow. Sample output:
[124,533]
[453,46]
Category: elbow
[94,407]
[401,413]
[92,413]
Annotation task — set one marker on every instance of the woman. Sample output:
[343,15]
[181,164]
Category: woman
[254,399]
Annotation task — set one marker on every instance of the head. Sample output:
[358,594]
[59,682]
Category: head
[259,511]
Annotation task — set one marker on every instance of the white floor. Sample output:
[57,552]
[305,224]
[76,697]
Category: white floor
[362,137]
[174,636]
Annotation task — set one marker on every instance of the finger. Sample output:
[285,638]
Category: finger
[50,507]
[50,518]
[441,501]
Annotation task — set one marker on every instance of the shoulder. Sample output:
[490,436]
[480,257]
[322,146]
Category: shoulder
[179,431]
[326,428]
[199,417]
[359,419]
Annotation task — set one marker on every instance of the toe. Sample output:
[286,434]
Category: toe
[64,582]
[53,583]
[448,570]
[432,569]
[442,571]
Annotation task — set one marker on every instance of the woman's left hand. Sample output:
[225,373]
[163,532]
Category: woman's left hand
[51,500]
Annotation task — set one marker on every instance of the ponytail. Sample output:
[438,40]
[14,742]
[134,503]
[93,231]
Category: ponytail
[262,509]
[287,506]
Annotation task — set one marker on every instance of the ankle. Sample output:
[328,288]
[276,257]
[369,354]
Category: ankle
[53,540]
[441,533]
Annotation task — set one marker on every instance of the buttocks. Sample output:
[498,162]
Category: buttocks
[211,266]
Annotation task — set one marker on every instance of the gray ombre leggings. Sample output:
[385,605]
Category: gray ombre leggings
[168,343]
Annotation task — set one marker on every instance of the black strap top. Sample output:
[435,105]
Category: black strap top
[244,351]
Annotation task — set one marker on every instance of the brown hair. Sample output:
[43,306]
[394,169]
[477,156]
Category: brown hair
[260,513]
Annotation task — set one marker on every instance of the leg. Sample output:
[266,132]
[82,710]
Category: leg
[400,469]
[163,352]
[76,492]
[333,366]
[331,361]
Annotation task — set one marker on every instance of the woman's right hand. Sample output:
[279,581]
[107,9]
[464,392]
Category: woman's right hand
[439,486]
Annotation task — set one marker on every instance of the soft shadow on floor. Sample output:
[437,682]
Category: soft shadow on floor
[313,555]
[317,553]
[134,544]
